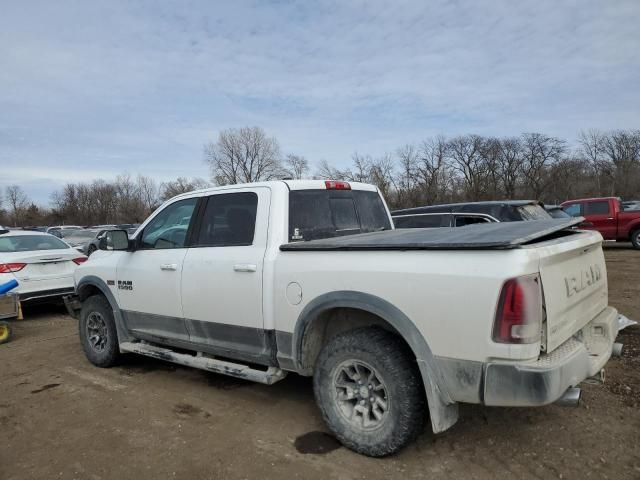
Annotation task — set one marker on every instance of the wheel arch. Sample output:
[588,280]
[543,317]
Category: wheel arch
[92,285]
[373,310]
[634,226]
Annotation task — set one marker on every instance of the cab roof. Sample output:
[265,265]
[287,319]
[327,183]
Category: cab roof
[465,206]
[290,184]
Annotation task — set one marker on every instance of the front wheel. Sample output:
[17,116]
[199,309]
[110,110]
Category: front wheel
[369,391]
[635,238]
[98,333]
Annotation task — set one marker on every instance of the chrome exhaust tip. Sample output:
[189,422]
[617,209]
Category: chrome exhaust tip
[616,350]
[570,398]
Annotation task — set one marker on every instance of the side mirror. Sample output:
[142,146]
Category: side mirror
[114,240]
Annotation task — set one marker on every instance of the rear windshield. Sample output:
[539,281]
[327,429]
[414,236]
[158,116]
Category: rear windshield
[26,243]
[315,214]
[533,212]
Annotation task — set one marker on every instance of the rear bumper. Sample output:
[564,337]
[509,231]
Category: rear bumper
[45,295]
[544,381]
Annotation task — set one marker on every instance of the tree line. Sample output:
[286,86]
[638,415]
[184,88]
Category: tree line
[436,170]
[123,200]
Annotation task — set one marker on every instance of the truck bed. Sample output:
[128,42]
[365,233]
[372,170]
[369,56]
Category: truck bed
[507,235]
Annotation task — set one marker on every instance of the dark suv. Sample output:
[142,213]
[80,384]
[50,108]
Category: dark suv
[461,214]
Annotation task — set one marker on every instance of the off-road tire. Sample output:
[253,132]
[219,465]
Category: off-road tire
[109,354]
[394,363]
[635,238]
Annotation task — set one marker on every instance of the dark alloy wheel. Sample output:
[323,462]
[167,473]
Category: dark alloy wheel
[98,333]
[370,391]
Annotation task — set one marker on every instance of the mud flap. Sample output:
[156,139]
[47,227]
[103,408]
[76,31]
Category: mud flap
[443,414]
[73,305]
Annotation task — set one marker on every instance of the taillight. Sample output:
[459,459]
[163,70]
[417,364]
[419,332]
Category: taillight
[336,185]
[519,314]
[80,260]
[11,267]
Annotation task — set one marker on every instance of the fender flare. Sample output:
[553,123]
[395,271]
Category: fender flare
[442,409]
[97,282]
[633,226]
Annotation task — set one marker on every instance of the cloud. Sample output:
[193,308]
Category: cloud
[90,89]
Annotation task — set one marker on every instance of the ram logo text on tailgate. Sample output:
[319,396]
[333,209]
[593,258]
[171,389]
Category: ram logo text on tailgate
[585,279]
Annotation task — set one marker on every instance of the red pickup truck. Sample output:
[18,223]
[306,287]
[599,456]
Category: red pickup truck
[607,217]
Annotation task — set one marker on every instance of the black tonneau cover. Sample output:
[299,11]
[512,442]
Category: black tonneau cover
[503,235]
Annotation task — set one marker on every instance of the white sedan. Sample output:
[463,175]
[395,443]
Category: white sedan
[42,264]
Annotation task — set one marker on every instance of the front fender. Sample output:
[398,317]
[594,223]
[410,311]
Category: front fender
[88,284]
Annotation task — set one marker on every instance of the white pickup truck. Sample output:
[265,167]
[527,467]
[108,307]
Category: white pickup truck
[262,279]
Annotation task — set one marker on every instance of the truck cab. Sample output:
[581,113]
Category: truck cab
[606,216]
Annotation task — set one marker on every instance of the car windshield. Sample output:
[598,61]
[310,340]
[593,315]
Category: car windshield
[81,235]
[533,212]
[26,243]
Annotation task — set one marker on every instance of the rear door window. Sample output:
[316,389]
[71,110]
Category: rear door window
[462,220]
[315,214]
[435,220]
[229,220]
[596,208]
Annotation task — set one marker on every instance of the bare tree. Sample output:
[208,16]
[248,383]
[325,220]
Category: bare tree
[148,191]
[181,185]
[432,169]
[592,148]
[243,155]
[296,166]
[539,153]
[381,172]
[407,193]
[329,172]
[622,152]
[509,165]
[467,160]
[18,201]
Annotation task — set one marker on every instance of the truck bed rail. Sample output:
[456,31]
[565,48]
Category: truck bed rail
[507,235]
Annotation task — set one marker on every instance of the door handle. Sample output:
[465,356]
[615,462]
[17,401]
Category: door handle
[245,267]
[169,266]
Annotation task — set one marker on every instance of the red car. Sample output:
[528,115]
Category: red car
[607,217]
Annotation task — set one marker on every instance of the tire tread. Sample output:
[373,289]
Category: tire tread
[398,366]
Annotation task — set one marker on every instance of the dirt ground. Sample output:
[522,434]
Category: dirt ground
[60,417]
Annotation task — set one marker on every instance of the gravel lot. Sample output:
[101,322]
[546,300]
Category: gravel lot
[60,417]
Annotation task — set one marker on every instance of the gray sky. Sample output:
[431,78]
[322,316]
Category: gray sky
[92,89]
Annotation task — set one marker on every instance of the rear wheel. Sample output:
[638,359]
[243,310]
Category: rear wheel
[369,391]
[635,238]
[5,332]
[98,333]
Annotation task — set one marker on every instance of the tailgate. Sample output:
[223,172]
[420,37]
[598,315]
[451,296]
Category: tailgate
[574,283]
